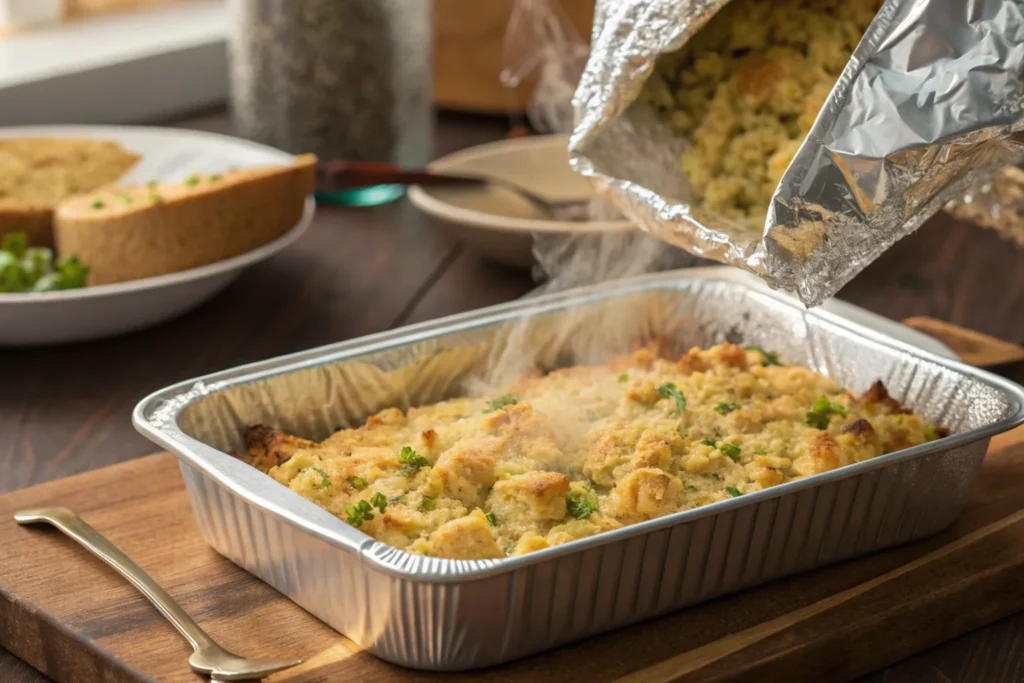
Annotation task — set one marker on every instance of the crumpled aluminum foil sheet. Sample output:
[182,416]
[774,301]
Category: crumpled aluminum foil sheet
[930,104]
[996,203]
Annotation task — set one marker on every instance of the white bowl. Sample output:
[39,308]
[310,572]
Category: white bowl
[496,221]
[75,315]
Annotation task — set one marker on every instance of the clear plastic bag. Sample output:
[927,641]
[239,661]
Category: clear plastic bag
[541,39]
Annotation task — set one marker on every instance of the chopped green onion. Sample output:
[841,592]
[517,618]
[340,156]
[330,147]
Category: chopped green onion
[358,513]
[411,462]
[733,491]
[192,180]
[761,451]
[396,499]
[215,177]
[624,377]
[726,408]
[580,505]
[491,518]
[501,402]
[769,357]
[709,442]
[357,483]
[97,204]
[821,413]
[669,390]
[731,450]
[325,481]
[428,503]
[379,501]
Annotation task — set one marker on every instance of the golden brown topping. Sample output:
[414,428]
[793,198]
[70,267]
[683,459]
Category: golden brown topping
[465,538]
[538,495]
[268,447]
[465,473]
[692,362]
[388,416]
[429,437]
[645,393]
[861,430]
[652,451]
[648,493]
[878,396]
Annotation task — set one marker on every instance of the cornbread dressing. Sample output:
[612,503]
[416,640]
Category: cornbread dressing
[584,450]
[747,88]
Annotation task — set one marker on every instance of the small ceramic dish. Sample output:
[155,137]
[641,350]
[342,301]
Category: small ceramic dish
[496,221]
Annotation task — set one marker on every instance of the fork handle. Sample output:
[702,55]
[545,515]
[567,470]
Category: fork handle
[75,528]
[341,174]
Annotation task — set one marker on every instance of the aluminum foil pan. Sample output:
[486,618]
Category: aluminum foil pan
[442,614]
[931,101]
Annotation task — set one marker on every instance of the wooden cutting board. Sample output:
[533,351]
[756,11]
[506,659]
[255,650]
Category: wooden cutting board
[74,619]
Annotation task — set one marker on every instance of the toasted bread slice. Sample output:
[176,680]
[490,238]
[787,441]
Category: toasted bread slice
[38,173]
[136,232]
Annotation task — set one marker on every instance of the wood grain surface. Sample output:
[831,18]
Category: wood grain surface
[358,271]
[77,620]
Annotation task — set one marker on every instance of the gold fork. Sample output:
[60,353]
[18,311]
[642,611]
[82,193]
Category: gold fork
[209,658]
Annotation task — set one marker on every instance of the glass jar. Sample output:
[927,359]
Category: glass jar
[343,79]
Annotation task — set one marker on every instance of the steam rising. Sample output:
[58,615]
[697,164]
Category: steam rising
[566,262]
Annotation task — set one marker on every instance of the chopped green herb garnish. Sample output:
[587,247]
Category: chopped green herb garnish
[396,499]
[357,483]
[770,357]
[580,505]
[491,518]
[34,269]
[501,402]
[379,501]
[215,177]
[325,482]
[624,377]
[761,451]
[709,442]
[16,243]
[358,513]
[428,503]
[668,390]
[192,180]
[930,434]
[716,475]
[572,470]
[731,450]
[411,462]
[726,408]
[97,204]
[156,198]
[821,413]
[733,491]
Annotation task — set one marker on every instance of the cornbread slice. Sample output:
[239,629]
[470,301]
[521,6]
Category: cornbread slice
[38,173]
[137,232]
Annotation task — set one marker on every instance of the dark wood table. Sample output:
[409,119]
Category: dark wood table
[359,271]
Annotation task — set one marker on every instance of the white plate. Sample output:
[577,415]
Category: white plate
[495,221]
[35,319]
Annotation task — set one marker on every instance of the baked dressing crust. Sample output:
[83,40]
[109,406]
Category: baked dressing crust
[584,450]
